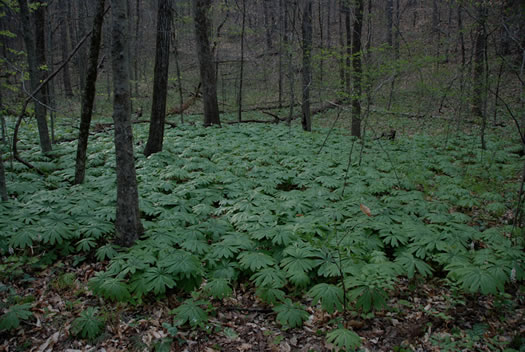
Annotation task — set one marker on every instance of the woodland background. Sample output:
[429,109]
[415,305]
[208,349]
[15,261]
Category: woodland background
[262,175]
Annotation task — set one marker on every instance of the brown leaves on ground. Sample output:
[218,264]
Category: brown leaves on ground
[417,316]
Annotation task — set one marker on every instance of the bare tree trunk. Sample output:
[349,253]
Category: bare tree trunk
[342,47]
[289,30]
[389,21]
[88,94]
[73,39]
[51,92]
[267,23]
[160,79]
[128,227]
[241,76]
[206,67]
[321,43]
[436,32]
[356,51]
[137,47]
[33,63]
[282,35]
[3,186]
[329,24]
[348,46]
[369,30]
[68,91]
[479,67]
[3,126]
[179,81]
[395,43]
[307,65]
[82,53]
[461,36]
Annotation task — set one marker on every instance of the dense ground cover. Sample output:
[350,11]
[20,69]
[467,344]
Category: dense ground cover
[313,238]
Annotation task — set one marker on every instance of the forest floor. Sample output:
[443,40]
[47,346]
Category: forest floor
[420,314]
[420,317]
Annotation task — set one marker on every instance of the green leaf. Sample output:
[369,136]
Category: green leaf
[11,319]
[181,263]
[157,280]
[190,312]
[344,339]
[107,251]
[290,314]
[218,288]
[411,264]
[22,239]
[255,260]
[331,296]
[115,289]
[270,295]
[86,244]
[269,277]
[477,279]
[88,324]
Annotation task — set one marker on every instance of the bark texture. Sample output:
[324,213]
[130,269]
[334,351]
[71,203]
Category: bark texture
[33,63]
[3,187]
[160,78]
[306,120]
[206,67]
[68,91]
[88,94]
[356,52]
[128,227]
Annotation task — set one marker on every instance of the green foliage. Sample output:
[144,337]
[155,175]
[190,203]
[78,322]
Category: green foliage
[331,296]
[344,339]
[218,288]
[88,325]
[190,312]
[12,317]
[259,204]
[290,314]
[109,287]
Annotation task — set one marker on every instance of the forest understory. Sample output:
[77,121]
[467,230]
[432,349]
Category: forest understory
[245,181]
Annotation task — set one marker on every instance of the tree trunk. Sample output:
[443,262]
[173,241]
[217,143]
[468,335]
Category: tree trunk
[307,69]
[241,76]
[395,43]
[81,31]
[342,48]
[73,39]
[33,63]
[348,56]
[289,28]
[267,23]
[206,67]
[436,32]
[68,91]
[51,92]
[137,47]
[282,36]
[3,186]
[389,21]
[128,227]
[88,94]
[160,78]
[356,51]
[479,67]
[179,81]
[321,44]
[3,126]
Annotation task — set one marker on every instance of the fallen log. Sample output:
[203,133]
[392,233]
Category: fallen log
[101,127]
